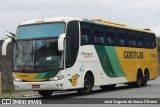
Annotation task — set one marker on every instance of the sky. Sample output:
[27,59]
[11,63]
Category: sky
[134,13]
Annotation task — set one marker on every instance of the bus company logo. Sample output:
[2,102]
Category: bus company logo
[24,76]
[73,79]
[133,55]
[87,54]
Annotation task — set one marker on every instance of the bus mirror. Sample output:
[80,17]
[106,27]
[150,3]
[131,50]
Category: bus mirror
[61,42]
[5,44]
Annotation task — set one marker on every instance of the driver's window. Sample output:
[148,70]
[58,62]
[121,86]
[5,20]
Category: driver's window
[72,43]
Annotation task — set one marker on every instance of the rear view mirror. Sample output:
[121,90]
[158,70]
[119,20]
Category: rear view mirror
[61,42]
[5,44]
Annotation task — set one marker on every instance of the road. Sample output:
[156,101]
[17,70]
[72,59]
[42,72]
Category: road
[152,90]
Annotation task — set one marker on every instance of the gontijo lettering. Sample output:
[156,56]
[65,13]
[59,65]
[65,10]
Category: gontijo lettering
[133,55]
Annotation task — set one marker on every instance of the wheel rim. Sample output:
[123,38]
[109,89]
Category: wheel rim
[139,80]
[87,85]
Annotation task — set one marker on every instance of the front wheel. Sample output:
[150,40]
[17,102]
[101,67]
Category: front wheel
[45,93]
[88,85]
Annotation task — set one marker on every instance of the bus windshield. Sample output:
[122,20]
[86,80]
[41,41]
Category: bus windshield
[40,30]
[42,55]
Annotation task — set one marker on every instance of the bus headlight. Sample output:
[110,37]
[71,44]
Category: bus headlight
[17,79]
[56,78]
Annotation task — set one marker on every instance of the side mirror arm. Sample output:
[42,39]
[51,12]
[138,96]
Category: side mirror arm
[5,44]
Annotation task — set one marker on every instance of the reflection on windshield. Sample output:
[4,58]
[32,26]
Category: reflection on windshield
[47,54]
[37,55]
[24,53]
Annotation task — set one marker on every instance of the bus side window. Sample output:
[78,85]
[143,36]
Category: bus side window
[150,41]
[121,42]
[84,39]
[132,39]
[86,34]
[153,41]
[109,41]
[140,39]
[111,36]
[99,40]
[122,37]
[98,35]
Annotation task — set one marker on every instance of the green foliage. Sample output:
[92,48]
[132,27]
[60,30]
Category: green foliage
[8,90]
[158,43]
[159,69]
[11,35]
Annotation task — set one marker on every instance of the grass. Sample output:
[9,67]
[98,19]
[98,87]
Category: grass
[8,90]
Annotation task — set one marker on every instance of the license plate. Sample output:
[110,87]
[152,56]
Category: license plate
[36,86]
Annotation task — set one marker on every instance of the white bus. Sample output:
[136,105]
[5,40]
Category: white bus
[69,53]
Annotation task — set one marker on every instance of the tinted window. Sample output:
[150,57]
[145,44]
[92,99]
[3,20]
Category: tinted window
[86,34]
[140,39]
[150,40]
[131,39]
[111,36]
[72,43]
[98,35]
[114,36]
[122,37]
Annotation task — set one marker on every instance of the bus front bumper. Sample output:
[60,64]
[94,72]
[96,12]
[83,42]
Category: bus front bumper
[45,85]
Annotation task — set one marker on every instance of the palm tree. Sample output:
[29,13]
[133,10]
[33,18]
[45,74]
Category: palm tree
[11,35]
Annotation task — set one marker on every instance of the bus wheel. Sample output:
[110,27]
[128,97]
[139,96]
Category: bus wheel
[105,87]
[139,81]
[145,78]
[88,85]
[45,93]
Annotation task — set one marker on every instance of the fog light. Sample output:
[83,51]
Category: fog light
[56,78]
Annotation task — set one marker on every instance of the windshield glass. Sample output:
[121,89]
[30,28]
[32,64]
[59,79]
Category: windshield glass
[37,55]
[23,54]
[40,30]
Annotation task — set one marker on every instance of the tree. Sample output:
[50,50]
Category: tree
[11,35]
[158,43]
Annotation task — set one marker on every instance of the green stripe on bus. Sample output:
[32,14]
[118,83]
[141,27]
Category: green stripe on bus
[46,74]
[115,63]
[105,62]
[109,61]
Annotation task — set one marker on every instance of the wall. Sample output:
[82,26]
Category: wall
[6,68]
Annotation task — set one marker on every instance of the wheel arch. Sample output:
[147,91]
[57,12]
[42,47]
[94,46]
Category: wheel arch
[89,72]
[139,70]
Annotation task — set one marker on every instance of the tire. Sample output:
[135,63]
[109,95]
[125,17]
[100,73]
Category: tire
[139,81]
[88,85]
[45,93]
[108,87]
[131,84]
[145,79]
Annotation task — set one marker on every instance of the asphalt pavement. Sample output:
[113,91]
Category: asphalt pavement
[152,90]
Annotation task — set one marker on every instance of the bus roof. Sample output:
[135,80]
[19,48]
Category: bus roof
[53,19]
[96,21]
[116,24]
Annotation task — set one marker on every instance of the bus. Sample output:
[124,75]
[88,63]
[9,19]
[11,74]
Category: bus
[69,53]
